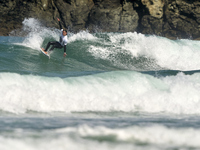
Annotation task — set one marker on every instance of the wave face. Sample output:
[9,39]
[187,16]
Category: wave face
[95,52]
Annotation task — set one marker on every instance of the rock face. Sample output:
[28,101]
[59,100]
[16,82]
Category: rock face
[155,7]
[14,12]
[183,18]
[172,18]
[113,15]
[169,18]
[73,13]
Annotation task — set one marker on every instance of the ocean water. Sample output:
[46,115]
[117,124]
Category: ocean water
[112,91]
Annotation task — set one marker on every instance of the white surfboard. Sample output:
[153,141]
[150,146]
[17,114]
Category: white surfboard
[45,53]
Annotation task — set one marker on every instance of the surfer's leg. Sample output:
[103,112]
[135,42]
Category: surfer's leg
[52,48]
[47,46]
[56,45]
[50,43]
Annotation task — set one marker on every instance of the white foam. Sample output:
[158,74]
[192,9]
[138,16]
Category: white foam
[101,52]
[171,54]
[102,138]
[60,143]
[82,35]
[152,135]
[114,91]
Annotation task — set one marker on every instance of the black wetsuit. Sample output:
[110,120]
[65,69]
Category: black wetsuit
[56,44]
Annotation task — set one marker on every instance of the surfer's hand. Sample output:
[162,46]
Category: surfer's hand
[64,54]
[58,19]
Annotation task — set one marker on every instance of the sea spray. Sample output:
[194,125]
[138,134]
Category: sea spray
[37,33]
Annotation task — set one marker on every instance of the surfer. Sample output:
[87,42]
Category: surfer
[62,43]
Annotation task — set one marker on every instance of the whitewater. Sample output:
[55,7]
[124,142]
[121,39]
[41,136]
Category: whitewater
[112,91]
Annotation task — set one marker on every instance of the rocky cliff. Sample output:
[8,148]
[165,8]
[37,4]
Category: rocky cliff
[169,18]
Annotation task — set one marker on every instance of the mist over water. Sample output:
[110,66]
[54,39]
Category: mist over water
[112,91]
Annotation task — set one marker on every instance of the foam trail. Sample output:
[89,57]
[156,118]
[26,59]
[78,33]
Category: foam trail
[107,92]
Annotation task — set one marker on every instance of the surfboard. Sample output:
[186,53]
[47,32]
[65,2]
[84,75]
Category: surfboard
[46,54]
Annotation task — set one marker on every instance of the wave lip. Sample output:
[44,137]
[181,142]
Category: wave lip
[129,49]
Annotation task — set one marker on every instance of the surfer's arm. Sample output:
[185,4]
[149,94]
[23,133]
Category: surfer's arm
[64,51]
[59,23]
[64,48]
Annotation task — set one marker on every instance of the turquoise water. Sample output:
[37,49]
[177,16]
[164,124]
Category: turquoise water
[112,91]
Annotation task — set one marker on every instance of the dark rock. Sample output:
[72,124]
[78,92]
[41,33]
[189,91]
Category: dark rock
[169,18]
[155,7]
[74,14]
[172,19]
[105,15]
[152,25]
[113,16]
[14,12]
[182,17]
[129,17]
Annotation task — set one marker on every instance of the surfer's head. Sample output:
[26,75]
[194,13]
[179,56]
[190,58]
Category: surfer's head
[64,32]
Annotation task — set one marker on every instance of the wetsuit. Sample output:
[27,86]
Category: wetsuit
[62,42]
